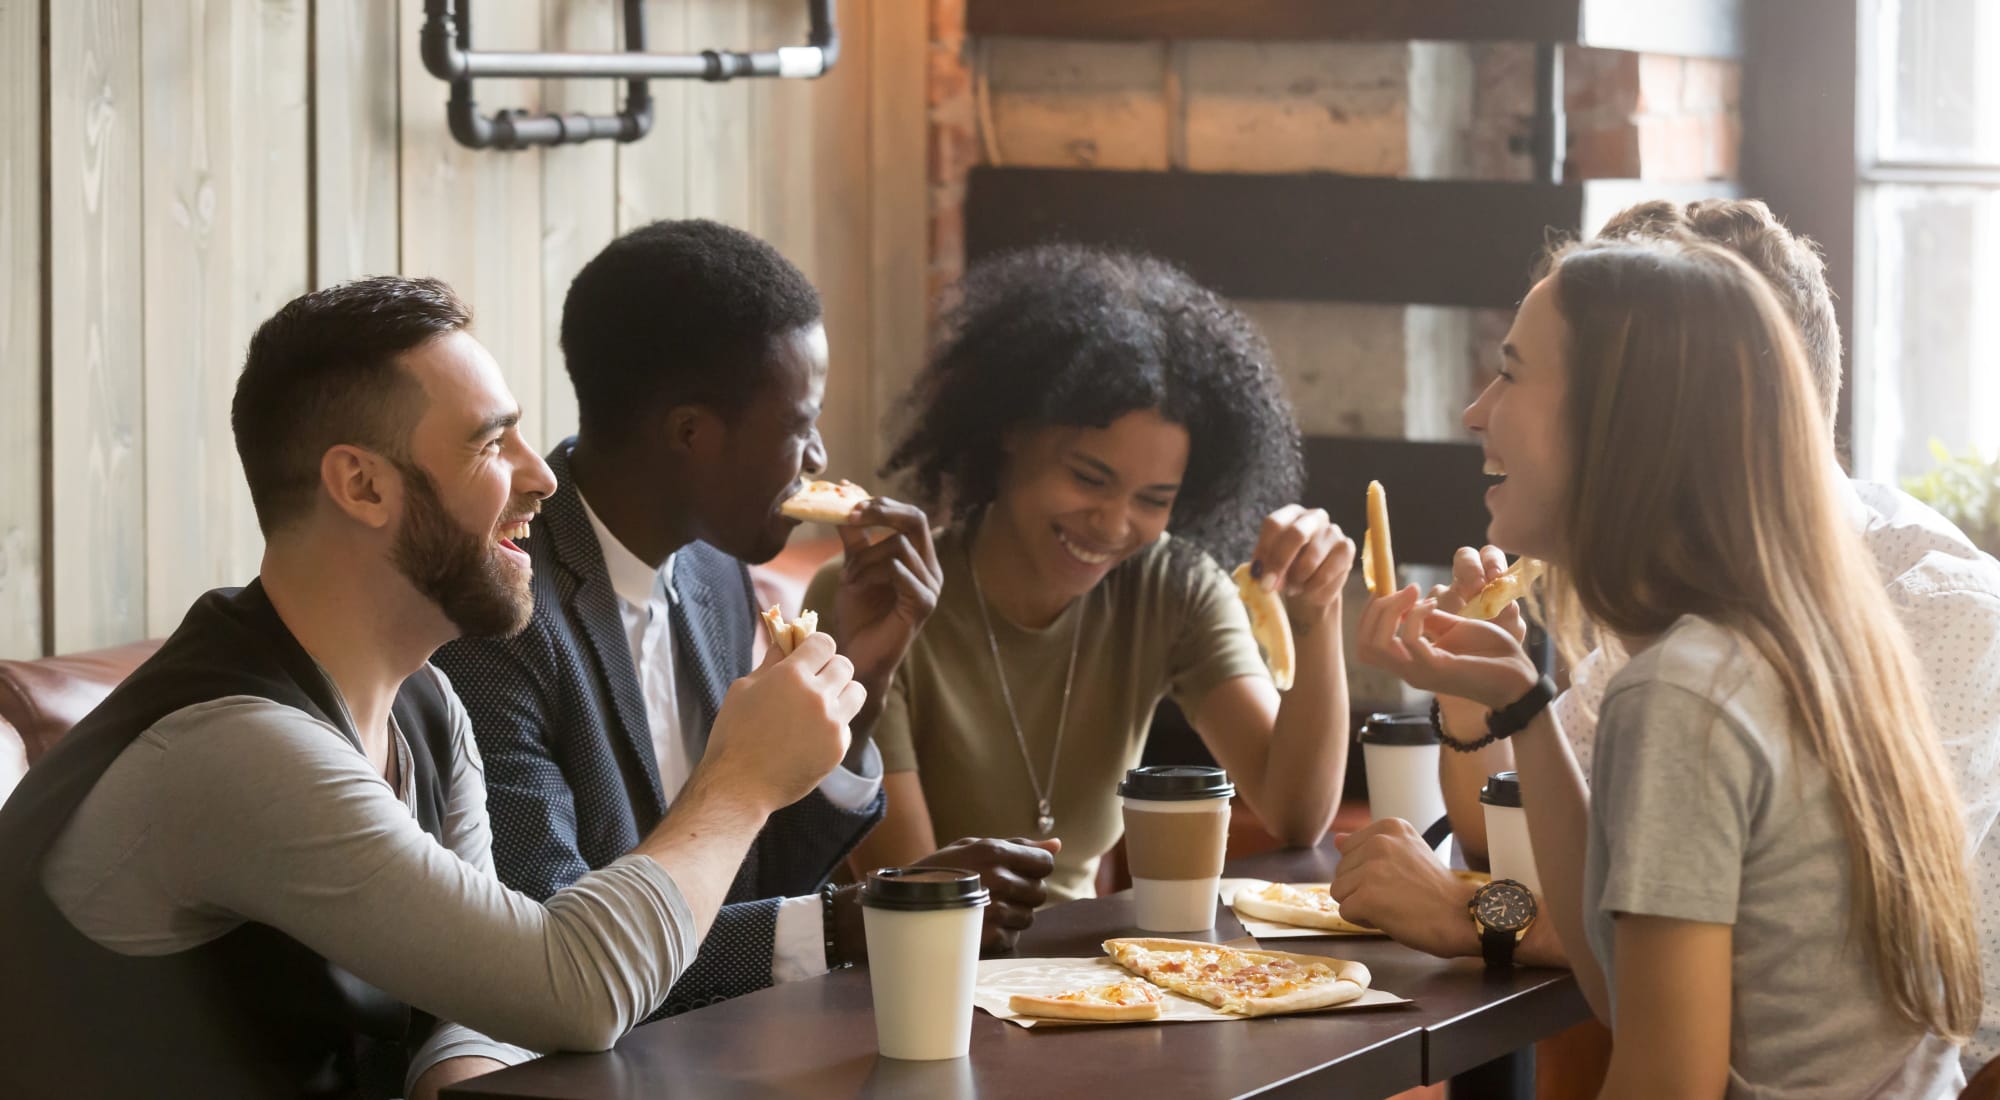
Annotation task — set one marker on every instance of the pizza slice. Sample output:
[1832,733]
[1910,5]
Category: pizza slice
[1503,590]
[1301,904]
[1269,625]
[1240,982]
[826,502]
[1127,1000]
[786,636]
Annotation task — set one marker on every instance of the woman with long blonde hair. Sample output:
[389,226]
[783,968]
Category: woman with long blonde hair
[1772,899]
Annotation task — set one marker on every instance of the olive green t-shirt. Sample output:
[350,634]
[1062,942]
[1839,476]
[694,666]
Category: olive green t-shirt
[1159,624]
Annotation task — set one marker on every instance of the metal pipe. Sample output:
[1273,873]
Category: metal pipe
[448,55]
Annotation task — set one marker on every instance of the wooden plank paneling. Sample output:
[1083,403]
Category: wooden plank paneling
[653,172]
[1319,237]
[721,139]
[474,217]
[899,199]
[22,259]
[97,558]
[579,194]
[355,135]
[1435,490]
[225,246]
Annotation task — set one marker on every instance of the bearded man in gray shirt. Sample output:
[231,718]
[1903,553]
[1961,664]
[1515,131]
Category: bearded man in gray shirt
[262,867]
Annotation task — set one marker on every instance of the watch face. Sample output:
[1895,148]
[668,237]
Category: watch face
[1506,905]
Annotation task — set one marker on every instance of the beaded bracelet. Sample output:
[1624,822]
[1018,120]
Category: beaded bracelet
[1500,724]
[833,959]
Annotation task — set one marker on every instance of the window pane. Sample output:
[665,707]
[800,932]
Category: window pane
[1925,358]
[1937,91]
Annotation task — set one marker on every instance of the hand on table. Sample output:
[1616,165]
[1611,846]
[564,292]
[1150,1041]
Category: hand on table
[1388,877]
[1011,870]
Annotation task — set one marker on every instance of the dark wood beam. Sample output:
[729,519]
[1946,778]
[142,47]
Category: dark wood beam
[1306,237]
[1800,100]
[1709,28]
[1437,496]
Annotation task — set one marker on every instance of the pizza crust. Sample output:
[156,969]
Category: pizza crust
[1077,1004]
[1349,981]
[1503,590]
[1258,903]
[831,502]
[1269,625]
[1378,557]
[786,636]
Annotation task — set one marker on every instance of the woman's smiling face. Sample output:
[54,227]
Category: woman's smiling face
[1519,422]
[1077,501]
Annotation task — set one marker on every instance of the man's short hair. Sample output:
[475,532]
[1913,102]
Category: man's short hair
[677,313]
[1792,264]
[324,371]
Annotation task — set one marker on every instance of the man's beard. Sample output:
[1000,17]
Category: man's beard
[459,571]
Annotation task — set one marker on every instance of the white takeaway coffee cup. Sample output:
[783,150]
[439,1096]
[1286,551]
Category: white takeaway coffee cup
[1176,836]
[1400,753]
[1508,853]
[923,926]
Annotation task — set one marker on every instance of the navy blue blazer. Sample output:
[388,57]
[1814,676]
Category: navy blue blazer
[571,779]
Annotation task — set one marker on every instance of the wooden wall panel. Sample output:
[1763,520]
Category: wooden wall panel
[579,195]
[653,172]
[210,161]
[97,560]
[356,116]
[225,246]
[474,217]
[721,138]
[899,204]
[22,256]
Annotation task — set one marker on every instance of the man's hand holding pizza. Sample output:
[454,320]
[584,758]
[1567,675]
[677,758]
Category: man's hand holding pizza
[889,585]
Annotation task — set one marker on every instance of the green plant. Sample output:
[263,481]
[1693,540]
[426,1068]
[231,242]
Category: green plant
[1965,489]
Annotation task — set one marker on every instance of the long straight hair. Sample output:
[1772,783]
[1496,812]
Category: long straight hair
[1703,486]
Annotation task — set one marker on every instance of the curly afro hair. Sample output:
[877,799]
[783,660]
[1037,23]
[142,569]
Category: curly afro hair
[1068,335]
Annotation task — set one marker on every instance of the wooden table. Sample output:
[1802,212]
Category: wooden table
[817,1038]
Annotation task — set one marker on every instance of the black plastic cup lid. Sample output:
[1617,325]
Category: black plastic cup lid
[1502,789]
[1398,729]
[1177,783]
[918,888]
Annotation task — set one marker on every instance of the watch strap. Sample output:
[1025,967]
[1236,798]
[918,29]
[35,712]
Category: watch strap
[1496,946]
[1515,716]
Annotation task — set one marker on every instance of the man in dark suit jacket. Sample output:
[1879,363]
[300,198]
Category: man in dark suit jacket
[699,362]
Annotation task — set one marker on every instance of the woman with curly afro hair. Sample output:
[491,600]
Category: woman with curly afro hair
[1100,432]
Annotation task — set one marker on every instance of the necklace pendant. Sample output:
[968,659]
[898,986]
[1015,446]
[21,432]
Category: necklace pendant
[1045,824]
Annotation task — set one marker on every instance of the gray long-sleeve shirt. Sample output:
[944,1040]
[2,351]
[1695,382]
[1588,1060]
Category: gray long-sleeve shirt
[242,809]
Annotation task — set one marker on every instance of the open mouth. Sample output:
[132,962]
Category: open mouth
[1495,469]
[511,533]
[1082,553]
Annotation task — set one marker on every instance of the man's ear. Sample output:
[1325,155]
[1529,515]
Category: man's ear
[362,484]
[695,432]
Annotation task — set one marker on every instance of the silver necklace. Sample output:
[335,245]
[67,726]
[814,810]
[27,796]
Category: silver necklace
[1045,819]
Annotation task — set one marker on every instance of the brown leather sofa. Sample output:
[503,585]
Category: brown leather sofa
[40,700]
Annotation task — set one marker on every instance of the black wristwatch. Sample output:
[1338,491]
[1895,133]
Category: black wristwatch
[1502,910]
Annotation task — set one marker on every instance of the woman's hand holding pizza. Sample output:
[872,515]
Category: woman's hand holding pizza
[1434,651]
[1303,556]
[1471,571]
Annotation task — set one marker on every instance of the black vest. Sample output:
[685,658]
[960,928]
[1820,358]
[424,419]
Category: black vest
[252,1014]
